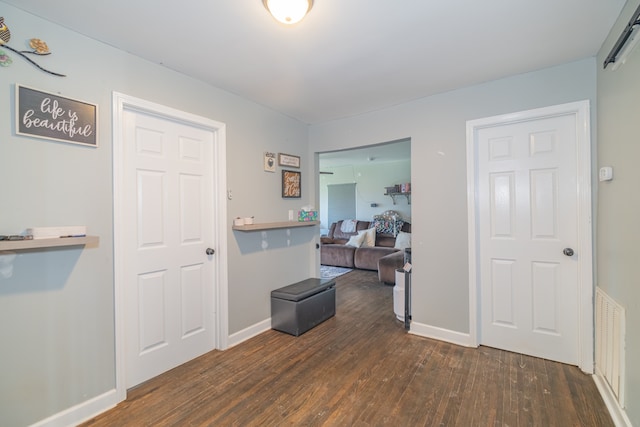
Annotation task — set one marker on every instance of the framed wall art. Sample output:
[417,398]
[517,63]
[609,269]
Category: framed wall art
[288,160]
[291,184]
[46,115]
[269,162]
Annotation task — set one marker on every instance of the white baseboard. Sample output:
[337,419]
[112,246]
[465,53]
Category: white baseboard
[250,332]
[441,334]
[81,412]
[618,414]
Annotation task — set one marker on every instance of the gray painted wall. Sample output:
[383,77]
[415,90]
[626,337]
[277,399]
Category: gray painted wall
[436,126]
[618,232]
[57,310]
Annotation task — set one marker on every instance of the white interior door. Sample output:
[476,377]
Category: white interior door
[527,215]
[168,276]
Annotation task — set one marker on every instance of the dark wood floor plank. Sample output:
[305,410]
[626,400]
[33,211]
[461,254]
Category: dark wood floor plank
[488,393]
[427,393]
[471,393]
[361,368]
[589,409]
[544,393]
[394,383]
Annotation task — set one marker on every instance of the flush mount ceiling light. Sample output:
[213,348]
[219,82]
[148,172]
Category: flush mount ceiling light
[288,11]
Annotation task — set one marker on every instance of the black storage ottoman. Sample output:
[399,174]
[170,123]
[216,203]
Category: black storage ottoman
[299,307]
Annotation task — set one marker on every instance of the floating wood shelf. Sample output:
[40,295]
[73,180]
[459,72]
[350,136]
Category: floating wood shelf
[14,245]
[394,195]
[274,225]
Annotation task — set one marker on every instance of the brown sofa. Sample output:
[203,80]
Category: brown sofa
[383,257]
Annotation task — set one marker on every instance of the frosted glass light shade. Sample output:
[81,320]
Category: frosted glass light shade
[288,11]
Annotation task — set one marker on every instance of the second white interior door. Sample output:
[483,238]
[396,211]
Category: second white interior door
[527,216]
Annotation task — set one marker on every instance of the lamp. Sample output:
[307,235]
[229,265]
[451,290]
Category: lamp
[288,11]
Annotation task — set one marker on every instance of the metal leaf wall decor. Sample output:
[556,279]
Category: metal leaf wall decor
[39,48]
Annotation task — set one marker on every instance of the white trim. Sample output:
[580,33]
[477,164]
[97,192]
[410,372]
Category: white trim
[436,333]
[249,332]
[474,280]
[81,412]
[585,273]
[618,414]
[122,102]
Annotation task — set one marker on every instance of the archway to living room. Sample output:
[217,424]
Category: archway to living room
[361,189]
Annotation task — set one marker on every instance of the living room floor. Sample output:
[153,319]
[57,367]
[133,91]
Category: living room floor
[361,368]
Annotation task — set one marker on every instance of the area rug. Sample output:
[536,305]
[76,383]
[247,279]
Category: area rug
[329,272]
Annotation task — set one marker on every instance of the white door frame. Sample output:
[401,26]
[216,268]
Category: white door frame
[585,231]
[122,102]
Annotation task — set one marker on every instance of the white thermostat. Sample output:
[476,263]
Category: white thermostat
[606,173]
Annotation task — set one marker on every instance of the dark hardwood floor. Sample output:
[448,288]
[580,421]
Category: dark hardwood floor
[360,368]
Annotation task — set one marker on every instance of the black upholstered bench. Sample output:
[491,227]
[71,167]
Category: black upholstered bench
[299,307]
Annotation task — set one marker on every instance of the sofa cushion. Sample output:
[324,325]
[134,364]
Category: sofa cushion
[387,266]
[338,255]
[367,258]
[340,236]
[389,240]
[385,241]
[331,231]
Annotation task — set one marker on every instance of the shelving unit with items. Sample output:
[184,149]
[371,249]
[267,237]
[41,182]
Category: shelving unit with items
[399,190]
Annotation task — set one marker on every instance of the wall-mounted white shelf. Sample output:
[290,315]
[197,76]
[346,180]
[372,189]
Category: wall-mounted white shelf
[398,194]
[15,245]
[274,225]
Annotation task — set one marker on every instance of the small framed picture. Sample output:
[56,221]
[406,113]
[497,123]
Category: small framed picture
[291,185]
[269,162]
[288,160]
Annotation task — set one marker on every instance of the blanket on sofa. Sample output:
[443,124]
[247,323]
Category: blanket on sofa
[348,226]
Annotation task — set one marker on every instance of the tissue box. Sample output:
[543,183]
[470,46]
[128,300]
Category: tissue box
[307,216]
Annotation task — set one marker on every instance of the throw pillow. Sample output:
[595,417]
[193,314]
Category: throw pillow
[369,237]
[403,241]
[356,241]
[387,226]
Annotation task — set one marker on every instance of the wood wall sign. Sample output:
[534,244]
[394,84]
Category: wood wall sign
[291,188]
[49,116]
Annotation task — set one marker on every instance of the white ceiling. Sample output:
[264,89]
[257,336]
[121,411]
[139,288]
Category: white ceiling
[346,57]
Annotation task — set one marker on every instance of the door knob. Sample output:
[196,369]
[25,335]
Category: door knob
[210,251]
[567,251]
